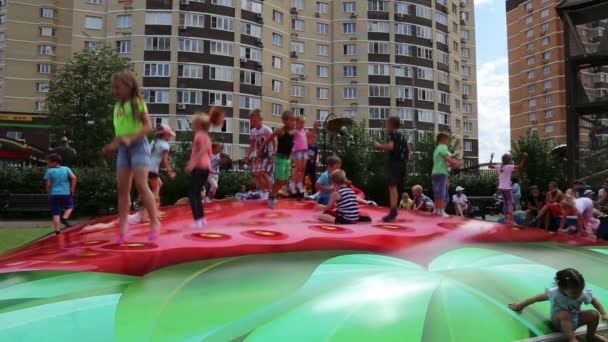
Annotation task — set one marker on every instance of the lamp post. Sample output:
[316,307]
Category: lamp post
[330,115]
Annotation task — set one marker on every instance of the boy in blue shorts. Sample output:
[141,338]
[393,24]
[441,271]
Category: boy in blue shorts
[60,185]
[441,160]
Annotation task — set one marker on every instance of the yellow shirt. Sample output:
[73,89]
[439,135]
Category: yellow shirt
[406,204]
[124,123]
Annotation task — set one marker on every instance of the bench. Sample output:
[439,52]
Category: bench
[27,202]
[484,203]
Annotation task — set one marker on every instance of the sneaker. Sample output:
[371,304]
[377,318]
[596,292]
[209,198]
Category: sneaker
[264,195]
[391,216]
[208,200]
[272,203]
[292,188]
[199,224]
[65,222]
[442,213]
[300,187]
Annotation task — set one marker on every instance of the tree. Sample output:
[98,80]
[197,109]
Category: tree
[541,167]
[80,101]
[422,161]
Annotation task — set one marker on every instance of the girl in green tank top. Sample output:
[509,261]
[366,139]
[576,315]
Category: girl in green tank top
[131,125]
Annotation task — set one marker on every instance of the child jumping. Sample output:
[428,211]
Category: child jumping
[60,185]
[214,172]
[299,155]
[160,156]
[282,159]
[441,160]
[262,165]
[398,151]
[505,170]
[566,299]
[198,166]
[131,125]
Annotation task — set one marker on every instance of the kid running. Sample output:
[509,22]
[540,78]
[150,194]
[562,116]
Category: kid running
[262,165]
[441,160]
[214,173]
[282,161]
[60,185]
[198,166]
[300,154]
[131,125]
[505,170]
[160,155]
[566,299]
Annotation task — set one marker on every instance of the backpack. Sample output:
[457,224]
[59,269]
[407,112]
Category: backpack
[402,150]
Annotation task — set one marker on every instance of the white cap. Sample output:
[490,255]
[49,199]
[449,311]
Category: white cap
[459,188]
[588,192]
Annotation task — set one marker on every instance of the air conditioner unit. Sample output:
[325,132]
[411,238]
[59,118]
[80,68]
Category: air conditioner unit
[293,11]
[303,76]
[317,14]
[353,15]
[462,5]
[544,61]
[463,22]
[293,54]
[545,90]
[183,27]
[529,10]
[354,60]
[463,40]
[294,79]
[542,33]
[465,96]
[295,35]
[260,67]
[354,82]
[181,106]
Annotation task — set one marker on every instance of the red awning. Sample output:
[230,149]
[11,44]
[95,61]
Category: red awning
[14,155]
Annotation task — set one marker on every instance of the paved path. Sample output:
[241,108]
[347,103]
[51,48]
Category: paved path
[32,224]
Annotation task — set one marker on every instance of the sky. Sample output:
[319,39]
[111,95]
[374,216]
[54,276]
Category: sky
[492,78]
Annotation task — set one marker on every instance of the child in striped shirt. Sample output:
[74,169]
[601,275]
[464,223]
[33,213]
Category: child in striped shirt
[343,200]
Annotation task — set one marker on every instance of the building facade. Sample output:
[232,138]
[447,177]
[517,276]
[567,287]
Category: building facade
[361,59]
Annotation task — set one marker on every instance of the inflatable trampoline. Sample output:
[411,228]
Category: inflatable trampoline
[261,275]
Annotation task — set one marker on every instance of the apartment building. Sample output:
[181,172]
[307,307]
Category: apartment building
[365,60]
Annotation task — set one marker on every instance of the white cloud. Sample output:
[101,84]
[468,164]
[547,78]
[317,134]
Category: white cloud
[493,107]
[485,2]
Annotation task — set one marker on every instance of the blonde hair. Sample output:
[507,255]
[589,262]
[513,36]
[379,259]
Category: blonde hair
[256,113]
[301,119]
[338,177]
[201,119]
[130,81]
[567,203]
[417,187]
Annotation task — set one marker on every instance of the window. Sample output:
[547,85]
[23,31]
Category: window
[468,127]
[277,16]
[532,117]
[548,98]
[379,91]
[88,45]
[378,69]
[349,28]
[297,68]
[190,71]
[298,25]
[444,77]
[124,21]
[377,5]
[95,2]
[350,92]
[548,114]
[277,39]
[404,72]
[466,52]
[123,46]
[227,3]
[349,7]
[532,102]
[47,13]
[192,20]
[544,13]
[48,50]
[467,107]
[44,68]
[466,89]
[93,23]
[549,128]
[244,126]
[531,60]
[405,114]
[156,69]
[252,6]
[547,69]
[46,31]
[189,97]
[277,86]
[546,55]
[530,46]
[424,32]
[350,49]
[322,28]
[350,71]
[548,84]
[443,57]
[299,4]
[277,62]
[531,88]
[156,96]
[423,12]
[222,23]
[377,26]
[40,106]
[323,93]
[322,50]
[425,94]
[468,145]
[531,74]
[444,98]
[404,93]
[402,7]
[424,73]
[379,113]
[42,87]
[443,118]
[221,48]
[545,41]
[221,73]
[405,29]
[297,91]
[251,30]
[277,109]
[184,124]
[441,37]
[544,27]
[297,47]
[423,52]
[159,44]
[159,18]
[426,116]
[189,45]
[250,53]
[528,6]
[466,70]
[251,77]
[322,71]
[442,18]
[529,20]
[322,7]
[350,113]
[378,47]
[249,102]
[220,99]
[2,19]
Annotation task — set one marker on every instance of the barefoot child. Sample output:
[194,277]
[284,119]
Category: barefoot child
[198,166]
[131,125]
[299,155]
[566,299]
[262,165]
[343,199]
[160,156]
[214,172]
[505,170]
[282,159]
[60,185]
[582,207]
[421,201]
[441,160]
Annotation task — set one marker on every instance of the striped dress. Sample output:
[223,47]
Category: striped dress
[347,205]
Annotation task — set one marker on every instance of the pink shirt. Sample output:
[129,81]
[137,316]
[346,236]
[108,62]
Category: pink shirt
[201,140]
[300,143]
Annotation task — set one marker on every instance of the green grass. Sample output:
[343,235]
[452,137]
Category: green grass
[14,237]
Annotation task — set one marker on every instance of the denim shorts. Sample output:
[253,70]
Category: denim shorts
[300,155]
[440,186]
[61,203]
[135,155]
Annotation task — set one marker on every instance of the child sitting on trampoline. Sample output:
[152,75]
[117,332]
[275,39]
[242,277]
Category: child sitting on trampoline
[566,299]
[582,207]
[421,201]
[343,207]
